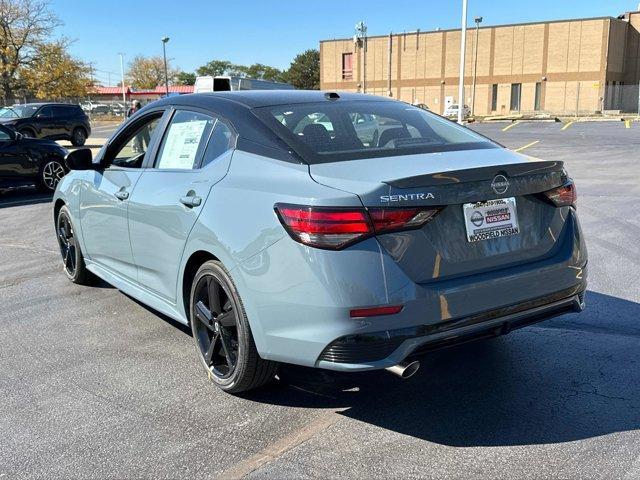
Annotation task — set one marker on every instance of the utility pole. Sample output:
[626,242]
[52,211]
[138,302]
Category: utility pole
[361,34]
[478,21]
[164,54]
[124,92]
[463,46]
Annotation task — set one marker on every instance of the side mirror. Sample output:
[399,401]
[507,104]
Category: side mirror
[80,159]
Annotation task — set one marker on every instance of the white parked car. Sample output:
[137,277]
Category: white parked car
[452,111]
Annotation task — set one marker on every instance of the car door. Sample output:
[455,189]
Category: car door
[42,122]
[15,164]
[104,201]
[61,121]
[193,155]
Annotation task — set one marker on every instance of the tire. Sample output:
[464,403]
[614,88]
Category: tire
[78,137]
[72,259]
[28,133]
[227,352]
[50,174]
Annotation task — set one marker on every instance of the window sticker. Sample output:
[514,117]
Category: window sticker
[182,144]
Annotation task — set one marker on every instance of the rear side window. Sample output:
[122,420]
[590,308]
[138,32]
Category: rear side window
[222,140]
[185,140]
[346,130]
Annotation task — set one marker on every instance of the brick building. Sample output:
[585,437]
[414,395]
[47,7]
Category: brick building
[561,67]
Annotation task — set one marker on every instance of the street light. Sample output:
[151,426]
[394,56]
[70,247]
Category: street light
[164,54]
[124,94]
[478,21]
[463,46]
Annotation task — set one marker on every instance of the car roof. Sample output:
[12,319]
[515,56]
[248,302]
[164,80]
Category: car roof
[40,104]
[264,98]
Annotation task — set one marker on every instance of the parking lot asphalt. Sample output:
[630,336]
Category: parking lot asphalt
[95,385]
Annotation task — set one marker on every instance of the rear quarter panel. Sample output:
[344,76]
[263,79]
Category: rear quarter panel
[239,226]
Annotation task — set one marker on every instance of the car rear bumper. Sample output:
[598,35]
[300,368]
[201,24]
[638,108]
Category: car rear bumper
[376,350]
[302,314]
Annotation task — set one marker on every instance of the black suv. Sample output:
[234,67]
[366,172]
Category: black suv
[55,121]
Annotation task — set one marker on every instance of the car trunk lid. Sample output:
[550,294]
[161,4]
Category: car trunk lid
[449,180]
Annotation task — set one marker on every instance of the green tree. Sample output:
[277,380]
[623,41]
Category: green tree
[304,72]
[24,26]
[185,78]
[257,70]
[215,68]
[148,72]
[264,72]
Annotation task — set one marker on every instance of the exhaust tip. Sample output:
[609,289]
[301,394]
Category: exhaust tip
[404,370]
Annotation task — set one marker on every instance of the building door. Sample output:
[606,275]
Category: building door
[515,96]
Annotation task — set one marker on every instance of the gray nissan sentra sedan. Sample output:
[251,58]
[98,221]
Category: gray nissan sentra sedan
[338,231]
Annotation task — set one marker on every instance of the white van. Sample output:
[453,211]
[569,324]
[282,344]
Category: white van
[226,83]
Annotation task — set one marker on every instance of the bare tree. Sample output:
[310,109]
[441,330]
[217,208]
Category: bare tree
[24,26]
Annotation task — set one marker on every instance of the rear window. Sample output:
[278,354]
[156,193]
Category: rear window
[347,130]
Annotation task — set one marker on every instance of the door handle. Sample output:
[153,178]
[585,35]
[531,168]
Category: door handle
[121,194]
[191,201]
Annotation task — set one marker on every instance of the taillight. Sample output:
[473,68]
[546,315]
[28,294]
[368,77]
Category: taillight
[564,195]
[335,228]
[389,219]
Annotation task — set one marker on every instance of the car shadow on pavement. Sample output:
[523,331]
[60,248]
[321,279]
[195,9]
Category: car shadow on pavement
[15,197]
[569,378]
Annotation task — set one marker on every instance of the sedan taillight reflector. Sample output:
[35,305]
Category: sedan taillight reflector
[389,219]
[564,195]
[375,311]
[336,228]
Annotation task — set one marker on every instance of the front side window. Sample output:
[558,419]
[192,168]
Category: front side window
[346,130]
[45,112]
[135,145]
[185,140]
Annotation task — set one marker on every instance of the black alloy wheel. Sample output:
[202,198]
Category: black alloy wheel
[67,243]
[216,326]
[72,259]
[222,333]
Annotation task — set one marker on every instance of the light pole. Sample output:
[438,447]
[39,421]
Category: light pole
[164,54]
[463,46]
[124,94]
[478,21]
[361,33]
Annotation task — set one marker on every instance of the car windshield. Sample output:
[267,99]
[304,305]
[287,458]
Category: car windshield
[348,130]
[18,111]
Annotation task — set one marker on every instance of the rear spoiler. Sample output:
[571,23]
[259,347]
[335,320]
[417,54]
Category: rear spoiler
[536,168]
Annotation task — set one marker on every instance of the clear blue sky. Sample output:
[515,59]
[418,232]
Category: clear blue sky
[274,31]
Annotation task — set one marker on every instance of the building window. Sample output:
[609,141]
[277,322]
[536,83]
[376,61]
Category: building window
[494,97]
[515,96]
[347,66]
[536,101]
